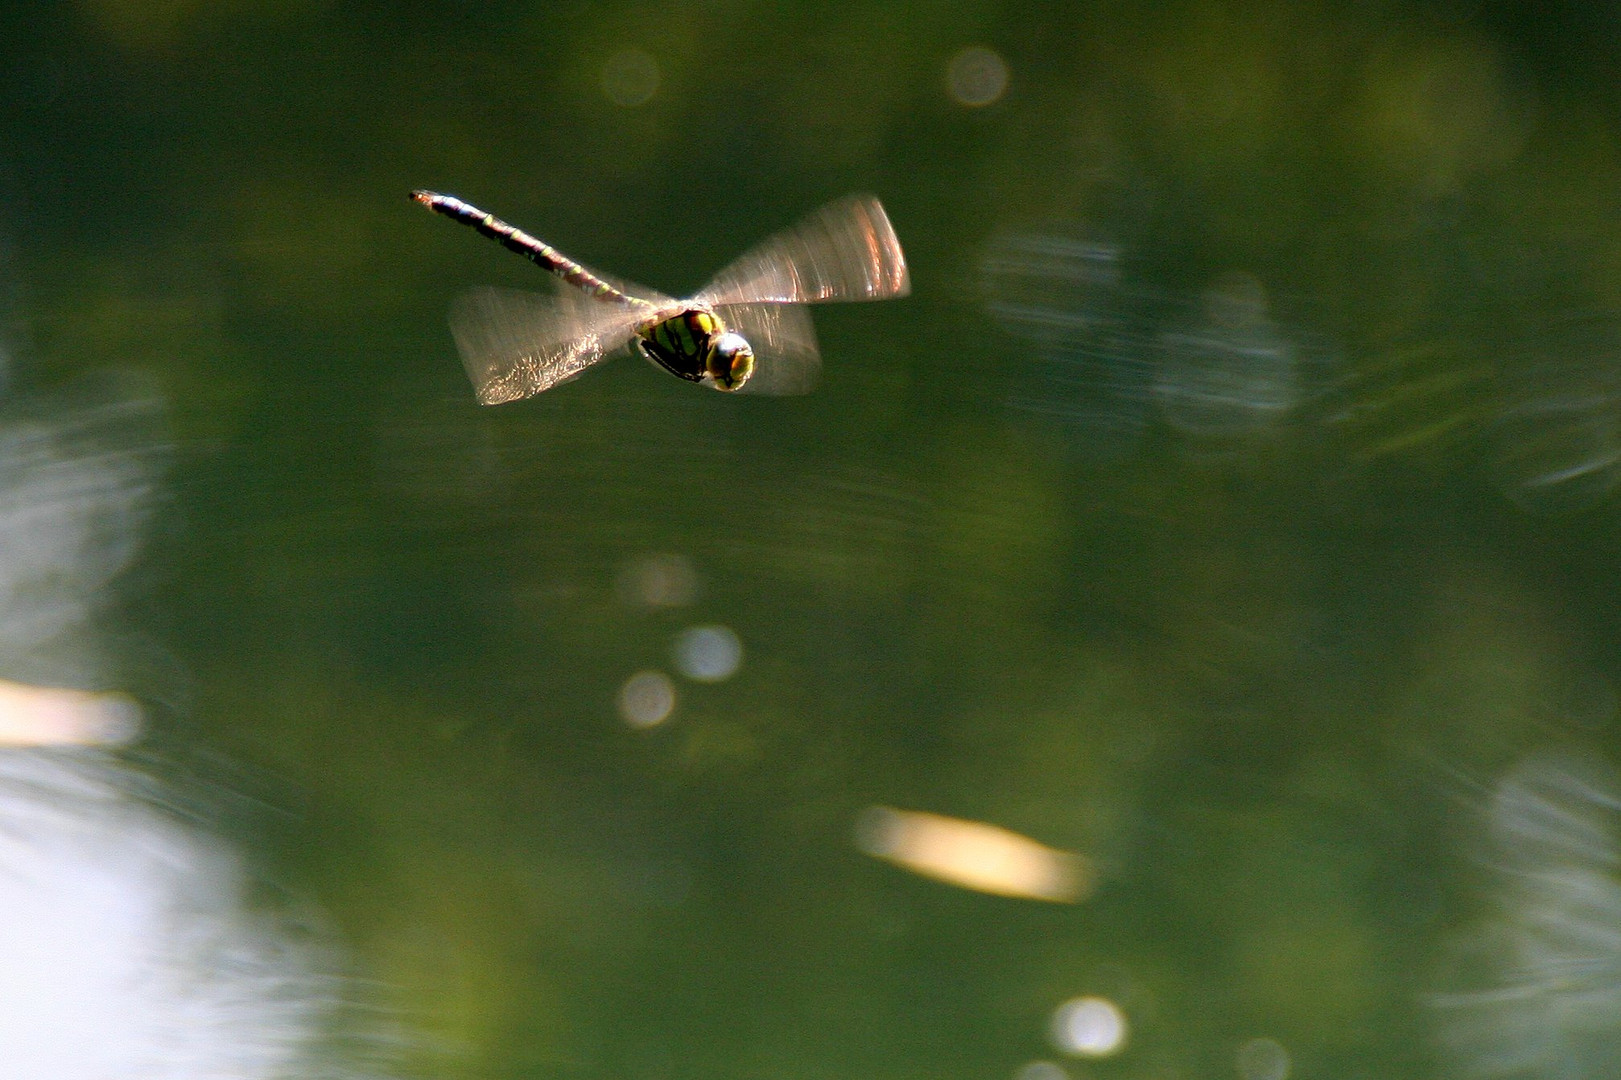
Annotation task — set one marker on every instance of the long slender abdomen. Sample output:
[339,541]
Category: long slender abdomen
[515,239]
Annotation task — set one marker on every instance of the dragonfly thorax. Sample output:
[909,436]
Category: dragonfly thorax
[695,344]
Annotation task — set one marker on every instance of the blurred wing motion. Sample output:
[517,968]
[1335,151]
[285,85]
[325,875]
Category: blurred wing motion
[785,356]
[845,251]
[515,344]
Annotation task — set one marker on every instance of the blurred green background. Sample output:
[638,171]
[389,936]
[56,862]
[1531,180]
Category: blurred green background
[1233,503]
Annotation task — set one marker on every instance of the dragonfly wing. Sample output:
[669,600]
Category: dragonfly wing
[847,250]
[516,344]
[785,357]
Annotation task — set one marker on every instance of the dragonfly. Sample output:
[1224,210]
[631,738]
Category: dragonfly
[746,329]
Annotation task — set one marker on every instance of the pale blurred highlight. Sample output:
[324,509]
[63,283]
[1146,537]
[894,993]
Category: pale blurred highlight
[708,653]
[1041,1070]
[46,716]
[76,484]
[647,699]
[1534,989]
[133,940]
[973,855]
[1090,1027]
[1229,372]
[129,945]
[630,78]
[976,77]
[1263,1059]
[657,581]
[1556,439]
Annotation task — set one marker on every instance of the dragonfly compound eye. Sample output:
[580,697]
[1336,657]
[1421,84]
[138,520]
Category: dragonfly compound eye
[732,362]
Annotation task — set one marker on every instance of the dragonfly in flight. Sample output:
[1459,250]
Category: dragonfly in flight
[744,329]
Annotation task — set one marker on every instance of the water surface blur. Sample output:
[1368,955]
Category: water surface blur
[1232,506]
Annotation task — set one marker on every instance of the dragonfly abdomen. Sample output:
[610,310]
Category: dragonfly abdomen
[515,239]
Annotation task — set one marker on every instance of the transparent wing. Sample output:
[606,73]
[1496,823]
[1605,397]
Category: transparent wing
[785,357]
[516,344]
[845,251]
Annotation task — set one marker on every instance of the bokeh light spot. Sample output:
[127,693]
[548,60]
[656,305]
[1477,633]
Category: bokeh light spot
[647,699]
[1089,1027]
[1231,373]
[657,581]
[976,77]
[1041,1070]
[630,78]
[1263,1059]
[708,653]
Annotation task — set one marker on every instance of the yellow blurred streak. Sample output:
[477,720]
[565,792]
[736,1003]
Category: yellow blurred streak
[1436,111]
[141,24]
[153,26]
[973,855]
[45,716]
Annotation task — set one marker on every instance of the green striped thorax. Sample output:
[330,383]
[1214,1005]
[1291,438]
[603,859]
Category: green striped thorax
[694,344]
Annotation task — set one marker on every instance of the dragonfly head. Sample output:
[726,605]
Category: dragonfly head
[730,361]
